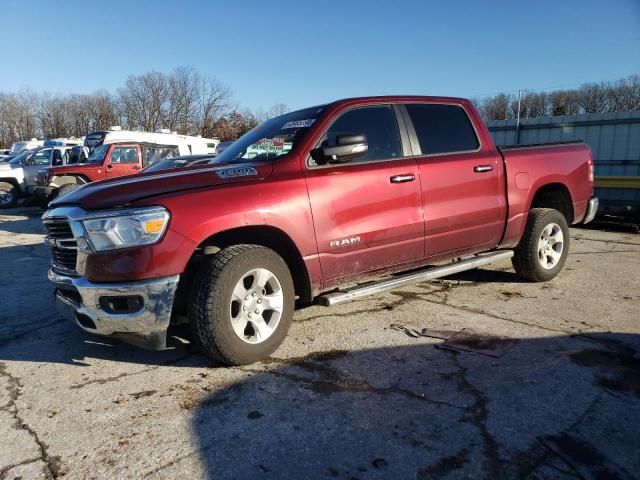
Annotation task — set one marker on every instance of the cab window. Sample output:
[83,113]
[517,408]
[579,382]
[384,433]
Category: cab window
[378,123]
[442,128]
[41,157]
[124,155]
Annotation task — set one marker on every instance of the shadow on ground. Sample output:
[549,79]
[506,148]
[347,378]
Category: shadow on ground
[558,407]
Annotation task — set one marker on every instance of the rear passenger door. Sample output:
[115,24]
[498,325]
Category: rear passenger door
[367,213]
[462,195]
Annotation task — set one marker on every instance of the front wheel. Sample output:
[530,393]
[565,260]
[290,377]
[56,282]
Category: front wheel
[69,187]
[544,246]
[242,304]
[8,195]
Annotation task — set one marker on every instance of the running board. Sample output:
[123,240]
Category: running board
[432,273]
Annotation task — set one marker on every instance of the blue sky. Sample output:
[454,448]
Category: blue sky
[307,52]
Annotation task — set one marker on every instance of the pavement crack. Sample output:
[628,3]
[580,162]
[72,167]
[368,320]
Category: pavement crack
[115,378]
[15,387]
[332,381]
[5,470]
[617,242]
[477,415]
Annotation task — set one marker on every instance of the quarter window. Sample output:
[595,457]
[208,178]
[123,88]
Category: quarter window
[152,154]
[379,125]
[442,128]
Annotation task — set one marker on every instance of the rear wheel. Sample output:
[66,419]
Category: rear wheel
[544,247]
[242,304]
[66,188]
[8,195]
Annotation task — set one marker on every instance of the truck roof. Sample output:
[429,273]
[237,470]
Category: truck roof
[401,98]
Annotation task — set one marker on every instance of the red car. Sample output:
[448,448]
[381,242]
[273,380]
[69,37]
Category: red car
[304,206]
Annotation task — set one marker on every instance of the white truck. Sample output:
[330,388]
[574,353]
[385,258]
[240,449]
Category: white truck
[18,176]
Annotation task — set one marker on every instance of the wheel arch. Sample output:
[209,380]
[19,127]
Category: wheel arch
[59,181]
[12,181]
[554,195]
[263,235]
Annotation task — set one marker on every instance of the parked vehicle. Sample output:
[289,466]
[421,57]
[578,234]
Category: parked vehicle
[180,144]
[115,153]
[22,145]
[179,162]
[18,176]
[78,154]
[333,196]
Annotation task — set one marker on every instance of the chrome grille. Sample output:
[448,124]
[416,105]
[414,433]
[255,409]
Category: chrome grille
[64,248]
[41,178]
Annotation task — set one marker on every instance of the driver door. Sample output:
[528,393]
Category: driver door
[367,213]
[39,160]
[123,160]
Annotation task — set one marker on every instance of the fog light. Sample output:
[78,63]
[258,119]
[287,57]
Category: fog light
[121,304]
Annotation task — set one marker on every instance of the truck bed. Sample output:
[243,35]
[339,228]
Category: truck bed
[529,167]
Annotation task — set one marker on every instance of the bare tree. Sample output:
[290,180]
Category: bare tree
[275,110]
[624,95]
[497,107]
[143,100]
[593,98]
[214,100]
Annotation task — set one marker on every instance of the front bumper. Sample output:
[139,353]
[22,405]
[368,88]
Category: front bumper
[592,209]
[84,303]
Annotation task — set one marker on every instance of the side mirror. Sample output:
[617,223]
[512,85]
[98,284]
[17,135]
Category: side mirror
[346,148]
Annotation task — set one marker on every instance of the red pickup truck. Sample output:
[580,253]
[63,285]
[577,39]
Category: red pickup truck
[309,206]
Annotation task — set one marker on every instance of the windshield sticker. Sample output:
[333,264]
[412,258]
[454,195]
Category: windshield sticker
[231,172]
[299,123]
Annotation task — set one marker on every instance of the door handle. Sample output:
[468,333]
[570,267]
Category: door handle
[135,167]
[407,177]
[482,168]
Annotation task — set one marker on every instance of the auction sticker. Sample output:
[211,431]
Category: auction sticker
[299,123]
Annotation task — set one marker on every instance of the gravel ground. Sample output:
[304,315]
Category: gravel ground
[478,375]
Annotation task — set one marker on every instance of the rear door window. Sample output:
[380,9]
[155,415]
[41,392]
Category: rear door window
[442,128]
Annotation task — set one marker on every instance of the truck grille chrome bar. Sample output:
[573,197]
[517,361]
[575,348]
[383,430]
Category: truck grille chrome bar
[64,247]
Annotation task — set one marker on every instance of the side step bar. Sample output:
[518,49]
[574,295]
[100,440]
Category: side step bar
[432,273]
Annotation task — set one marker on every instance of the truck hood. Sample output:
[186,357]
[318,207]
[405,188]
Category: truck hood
[119,192]
[7,167]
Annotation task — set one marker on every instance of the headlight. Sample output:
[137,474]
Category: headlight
[133,229]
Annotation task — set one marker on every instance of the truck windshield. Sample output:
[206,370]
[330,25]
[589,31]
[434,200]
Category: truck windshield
[272,139]
[98,154]
[20,159]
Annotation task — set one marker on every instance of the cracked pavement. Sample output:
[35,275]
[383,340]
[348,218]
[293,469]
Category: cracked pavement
[384,387]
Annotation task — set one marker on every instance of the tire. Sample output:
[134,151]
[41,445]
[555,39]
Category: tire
[66,189]
[227,294]
[8,195]
[544,247]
